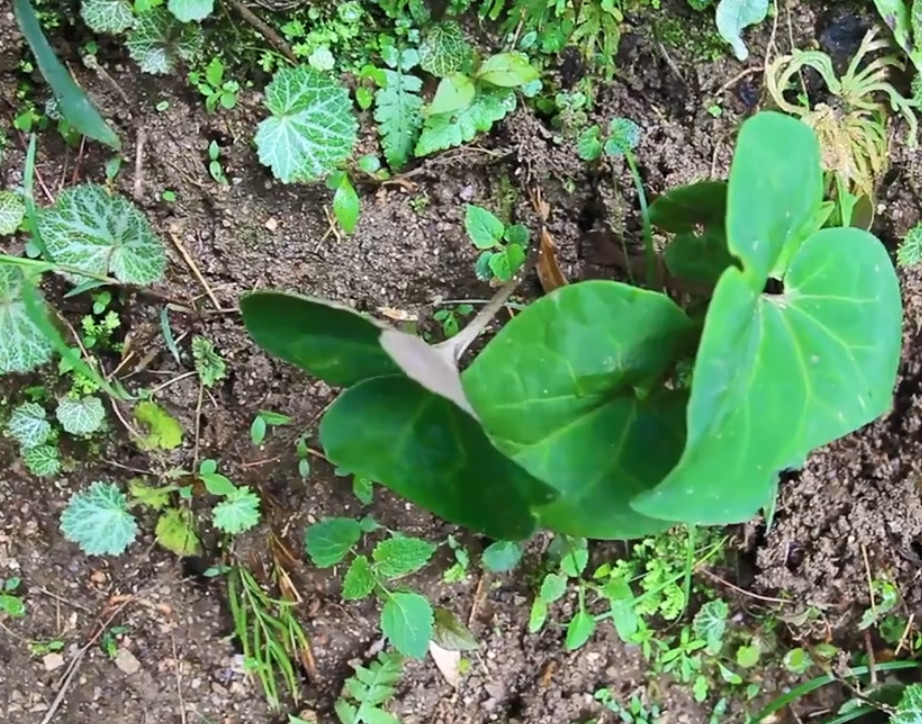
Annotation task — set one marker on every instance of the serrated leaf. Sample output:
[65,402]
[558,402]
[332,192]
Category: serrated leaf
[580,630]
[12,212]
[209,364]
[159,41]
[328,541]
[449,130]
[164,430]
[553,587]
[107,16]
[483,228]
[87,228]
[396,557]
[505,263]
[507,70]
[187,11]
[43,461]
[312,129]
[444,50]
[28,425]
[23,347]
[151,496]
[175,531]
[97,520]
[710,623]
[407,620]
[623,136]
[589,143]
[359,580]
[238,512]
[501,556]
[398,111]
[82,416]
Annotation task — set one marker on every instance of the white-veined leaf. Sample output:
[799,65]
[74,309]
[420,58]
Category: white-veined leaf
[188,11]
[43,460]
[159,41]
[12,212]
[82,416]
[107,16]
[28,425]
[23,347]
[98,521]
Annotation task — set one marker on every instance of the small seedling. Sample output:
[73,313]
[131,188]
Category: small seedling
[214,163]
[503,248]
[368,690]
[215,87]
[12,604]
[263,421]
[450,319]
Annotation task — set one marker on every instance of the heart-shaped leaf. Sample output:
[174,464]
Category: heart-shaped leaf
[698,258]
[557,390]
[778,375]
[685,207]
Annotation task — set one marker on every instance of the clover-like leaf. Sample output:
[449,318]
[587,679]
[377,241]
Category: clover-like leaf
[187,11]
[312,129]
[87,228]
[398,108]
[407,620]
[444,50]
[556,390]
[42,460]
[28,425]
[238,512]
[107,16]
[12,212]
[23,346]
[82,416]
[778,375]
[158,42]
[97,520]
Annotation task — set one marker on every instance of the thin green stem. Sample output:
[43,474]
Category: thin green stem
[649,251]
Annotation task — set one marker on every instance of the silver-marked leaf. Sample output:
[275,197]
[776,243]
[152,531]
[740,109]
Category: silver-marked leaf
[82,416]
[43,460]
[12,212]
[159,41]
[312,129]
[98,521]
[23,347]
[444,50]
[188,11]
[107,16]
[28,425]
[87,228]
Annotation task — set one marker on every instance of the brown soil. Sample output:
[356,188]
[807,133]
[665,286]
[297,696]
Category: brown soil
[857,496]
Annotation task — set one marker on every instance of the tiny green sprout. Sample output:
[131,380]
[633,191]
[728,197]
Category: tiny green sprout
[162,106]
[212,84]
[113,166]
[11,602]
[304,461]
[109,640]
[214,163]
[263,421]
[168,195]
[503,248]
[450,319]
[42,648]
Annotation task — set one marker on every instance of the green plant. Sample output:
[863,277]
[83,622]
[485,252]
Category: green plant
[819,348]
[450,319]
[368,690]
[212,84]
[406,617]
[12,604]
[636,711]
[209,365]
[215,168]
[263,421]
[502,248]
[158,41]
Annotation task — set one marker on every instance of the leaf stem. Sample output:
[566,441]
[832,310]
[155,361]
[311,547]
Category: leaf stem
[649,251]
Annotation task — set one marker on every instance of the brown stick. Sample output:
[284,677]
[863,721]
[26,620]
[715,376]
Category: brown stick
[267,32]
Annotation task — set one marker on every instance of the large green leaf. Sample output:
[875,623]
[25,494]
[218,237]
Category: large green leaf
[557,390]
[333,343]
[779,375]
[23,346]
[427,449]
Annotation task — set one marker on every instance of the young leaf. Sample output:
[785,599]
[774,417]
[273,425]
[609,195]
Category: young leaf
[82,416]
[398,111]
[164,431]
[444,50]
[97,519]
[455,93]
[735,15]
[28,425]
[552,587]
[209,364]
[175,531]
[359,580]
[623,136]
[43,461]
[328,541]
[363,489]
[89,229]
[312,129]
[501,556]
[454,129]
[396,557]
[507,70]
[371,688]
[73,102]
[538,616]
[589,143]
[483,228]
[216,483]
[150,496]
[766,360]
[238,512]
[12,212]
[506,263]
[187,11]
[346,205]
[159,41]
[109,17]
[580,630]
[909,252]
[407,620]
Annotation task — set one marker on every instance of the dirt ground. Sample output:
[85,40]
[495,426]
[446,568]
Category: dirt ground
[859,496]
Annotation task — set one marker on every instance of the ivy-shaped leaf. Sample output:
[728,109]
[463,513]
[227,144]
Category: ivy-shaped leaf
[238,512]
[87,228]
[12,212]
[397,111]
[444,50]
[97,520]
[23,347]
[82,416]
[107,16]
[28,425]
[43,460]
[159,41]
[441,132]
[312,129]
[187,11]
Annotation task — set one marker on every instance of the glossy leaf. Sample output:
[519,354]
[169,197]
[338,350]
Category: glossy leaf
[425,448]
[779,375]
[556,390]
[699,258]
[686,207]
